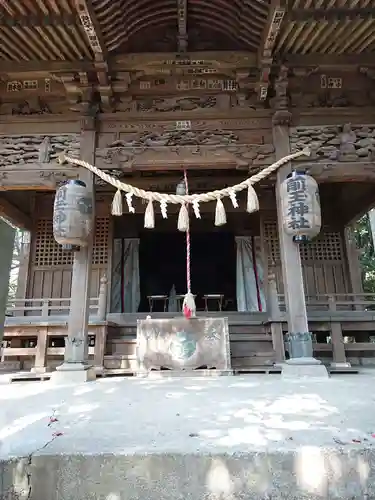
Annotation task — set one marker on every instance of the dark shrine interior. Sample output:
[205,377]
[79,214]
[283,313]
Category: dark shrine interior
[162,263]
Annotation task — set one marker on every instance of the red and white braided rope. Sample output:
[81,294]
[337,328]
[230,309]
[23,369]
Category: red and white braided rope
[188,260]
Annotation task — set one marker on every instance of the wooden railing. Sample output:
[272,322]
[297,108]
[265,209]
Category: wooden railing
[331,313]
[364,302]
[52,316]
[44,308]
[337,311]
[37,355]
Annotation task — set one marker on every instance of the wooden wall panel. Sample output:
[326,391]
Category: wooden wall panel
[51,268]
[323,261]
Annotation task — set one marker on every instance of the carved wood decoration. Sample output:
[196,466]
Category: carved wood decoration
[347,143]
[23,150]
[319,87]
[32,159]
[198,83]
[167,149]
[338,153]
[25,96]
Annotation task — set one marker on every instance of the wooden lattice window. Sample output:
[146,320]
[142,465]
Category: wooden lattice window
[48,253]
[100,254]
[271,239]
[327,247]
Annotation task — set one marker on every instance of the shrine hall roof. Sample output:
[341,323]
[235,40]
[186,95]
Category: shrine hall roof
[78,30]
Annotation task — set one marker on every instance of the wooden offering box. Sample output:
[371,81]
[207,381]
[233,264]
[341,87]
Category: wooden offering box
[181,344]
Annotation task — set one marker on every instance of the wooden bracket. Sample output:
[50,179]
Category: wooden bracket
[265,55]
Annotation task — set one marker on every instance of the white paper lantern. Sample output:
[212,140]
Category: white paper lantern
[301,206]
[73,214]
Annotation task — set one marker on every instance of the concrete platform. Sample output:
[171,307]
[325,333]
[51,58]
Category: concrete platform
[243,437]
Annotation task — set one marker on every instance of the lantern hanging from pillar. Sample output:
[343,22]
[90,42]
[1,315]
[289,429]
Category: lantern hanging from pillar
[73,215]
[300,206]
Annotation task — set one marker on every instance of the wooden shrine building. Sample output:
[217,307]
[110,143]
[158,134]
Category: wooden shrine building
[222,88]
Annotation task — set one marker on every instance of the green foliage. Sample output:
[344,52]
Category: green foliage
[363,238]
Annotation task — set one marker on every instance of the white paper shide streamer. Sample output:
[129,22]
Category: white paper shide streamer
[151,197]
[184,200]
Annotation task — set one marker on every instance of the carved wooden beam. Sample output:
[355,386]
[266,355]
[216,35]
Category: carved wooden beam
[182,25]
[116,64]
[37,176]
[270,33]
[343,172]
[14,214]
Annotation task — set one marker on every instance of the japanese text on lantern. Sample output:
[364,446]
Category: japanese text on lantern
[59,215]
[298,206]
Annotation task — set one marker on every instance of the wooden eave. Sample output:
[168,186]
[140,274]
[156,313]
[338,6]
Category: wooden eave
[332,27]
[81,35]
[43,30]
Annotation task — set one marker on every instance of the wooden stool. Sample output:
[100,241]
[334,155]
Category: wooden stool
[217,297]
[157,298]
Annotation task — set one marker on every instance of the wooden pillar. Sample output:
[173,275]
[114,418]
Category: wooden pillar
[275,318]
[76,366]
[101,333]
[338,346]
[298,330]
[24,265]
[299,338]
[40,362]
[102,299]
[7,233]
[99,352]
[354,266]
